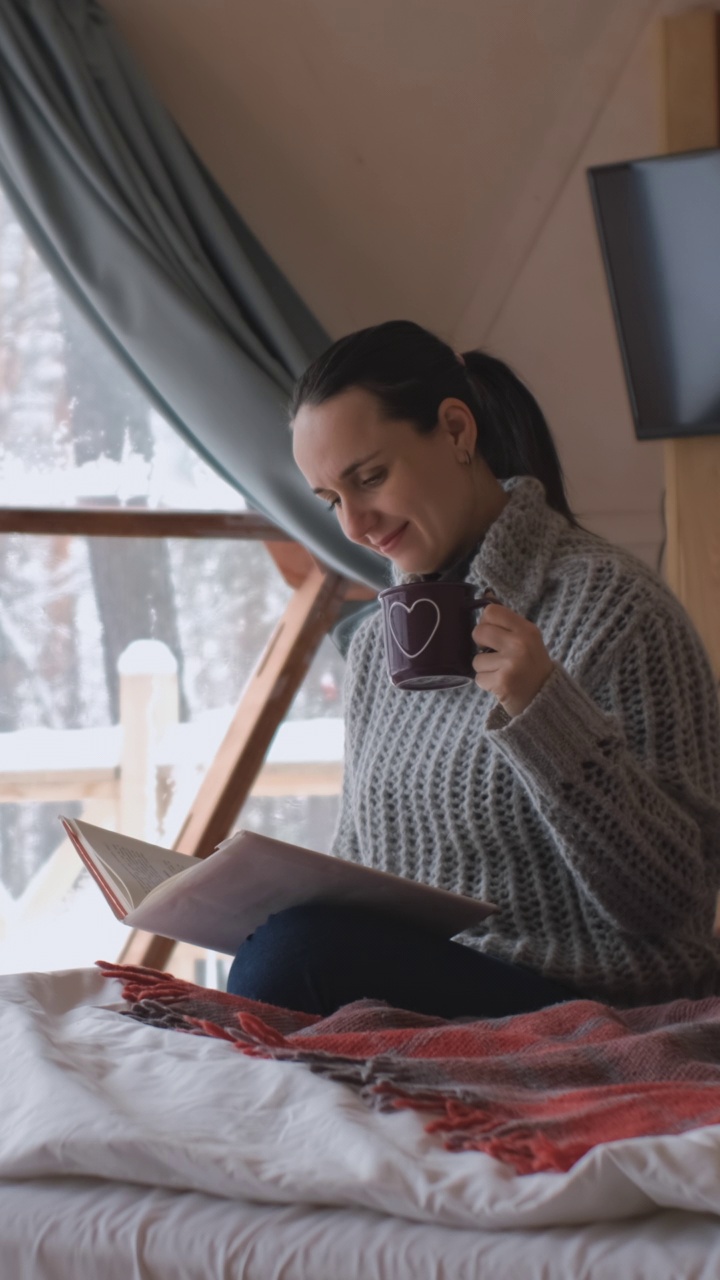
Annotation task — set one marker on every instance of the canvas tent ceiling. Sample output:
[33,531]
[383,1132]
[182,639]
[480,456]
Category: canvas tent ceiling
[426,158]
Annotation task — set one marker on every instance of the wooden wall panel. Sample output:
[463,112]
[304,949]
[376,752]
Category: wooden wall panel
[692,466]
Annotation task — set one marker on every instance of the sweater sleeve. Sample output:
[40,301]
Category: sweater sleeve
[631,796]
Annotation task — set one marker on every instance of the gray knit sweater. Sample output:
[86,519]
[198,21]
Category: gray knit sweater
[592,819]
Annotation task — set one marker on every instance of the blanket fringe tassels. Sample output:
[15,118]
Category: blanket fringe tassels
[536,1091]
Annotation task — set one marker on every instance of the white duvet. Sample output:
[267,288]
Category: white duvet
[87,1093]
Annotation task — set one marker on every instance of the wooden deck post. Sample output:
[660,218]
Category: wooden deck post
[148,706]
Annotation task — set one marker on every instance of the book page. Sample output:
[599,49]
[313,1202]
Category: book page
[138,866]
[132,866]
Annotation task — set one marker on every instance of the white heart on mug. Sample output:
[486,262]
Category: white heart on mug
[397,604]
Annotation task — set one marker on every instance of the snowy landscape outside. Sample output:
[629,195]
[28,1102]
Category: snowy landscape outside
[74,429]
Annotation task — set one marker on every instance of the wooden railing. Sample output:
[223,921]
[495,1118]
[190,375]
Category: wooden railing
[136,767]
[318,596]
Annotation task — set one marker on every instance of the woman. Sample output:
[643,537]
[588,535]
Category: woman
[575,784]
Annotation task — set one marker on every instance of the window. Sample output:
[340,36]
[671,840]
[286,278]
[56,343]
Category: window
[74,429]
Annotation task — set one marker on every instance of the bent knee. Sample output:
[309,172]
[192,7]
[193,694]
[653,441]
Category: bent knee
[307,925]
[279,962]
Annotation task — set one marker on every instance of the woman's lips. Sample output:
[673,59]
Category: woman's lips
[388,543]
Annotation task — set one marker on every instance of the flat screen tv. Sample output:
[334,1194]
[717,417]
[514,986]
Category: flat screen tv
[659,225]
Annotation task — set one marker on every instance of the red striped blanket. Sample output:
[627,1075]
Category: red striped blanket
[535,1090]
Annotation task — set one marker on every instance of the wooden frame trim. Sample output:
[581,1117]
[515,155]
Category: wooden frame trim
[139,522]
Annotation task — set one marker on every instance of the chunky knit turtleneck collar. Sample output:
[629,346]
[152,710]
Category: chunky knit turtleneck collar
[513,556]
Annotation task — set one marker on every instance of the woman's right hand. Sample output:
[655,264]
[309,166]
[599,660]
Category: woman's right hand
[513,663]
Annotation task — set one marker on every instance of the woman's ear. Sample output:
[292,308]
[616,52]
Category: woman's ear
[458,422]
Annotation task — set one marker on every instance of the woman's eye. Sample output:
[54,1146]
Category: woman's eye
[368,483]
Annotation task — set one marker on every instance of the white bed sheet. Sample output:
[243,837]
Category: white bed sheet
[89,1230]
[89,1095]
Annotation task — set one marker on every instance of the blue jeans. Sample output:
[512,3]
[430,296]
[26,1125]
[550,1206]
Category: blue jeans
[315,958]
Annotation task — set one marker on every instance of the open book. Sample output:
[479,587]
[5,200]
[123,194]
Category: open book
[218,901]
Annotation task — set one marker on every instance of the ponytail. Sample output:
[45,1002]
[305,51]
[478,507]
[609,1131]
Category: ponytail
[410,372]
[513,435]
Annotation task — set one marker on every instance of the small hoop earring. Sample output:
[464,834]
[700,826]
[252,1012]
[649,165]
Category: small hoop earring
[466,459]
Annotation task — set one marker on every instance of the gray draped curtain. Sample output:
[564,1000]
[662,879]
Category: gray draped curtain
[141,237]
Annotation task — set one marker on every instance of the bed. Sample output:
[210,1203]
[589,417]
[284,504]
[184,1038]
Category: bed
[129,1151]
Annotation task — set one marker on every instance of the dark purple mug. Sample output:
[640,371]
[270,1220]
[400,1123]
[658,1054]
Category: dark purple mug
[428,633]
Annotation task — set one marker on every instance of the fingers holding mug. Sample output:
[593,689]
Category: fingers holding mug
[512,662]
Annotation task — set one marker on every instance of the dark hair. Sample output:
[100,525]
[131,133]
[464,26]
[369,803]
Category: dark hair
[411,371]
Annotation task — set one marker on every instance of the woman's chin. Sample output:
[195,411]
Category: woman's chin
[409,563]
[412,556]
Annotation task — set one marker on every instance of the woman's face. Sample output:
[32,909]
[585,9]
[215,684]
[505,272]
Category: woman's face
[411,497]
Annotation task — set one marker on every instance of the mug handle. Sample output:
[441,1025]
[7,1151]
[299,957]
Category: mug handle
[488,598]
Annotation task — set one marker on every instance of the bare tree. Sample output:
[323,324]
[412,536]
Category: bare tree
[109,418]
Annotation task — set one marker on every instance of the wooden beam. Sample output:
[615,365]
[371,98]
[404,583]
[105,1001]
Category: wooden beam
[691,47]
[292,559]
[268,695]
[138,522]
[692,501]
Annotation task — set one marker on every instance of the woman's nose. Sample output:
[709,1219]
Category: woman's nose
[356,521]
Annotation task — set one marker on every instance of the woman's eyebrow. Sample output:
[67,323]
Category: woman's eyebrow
[354,466]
